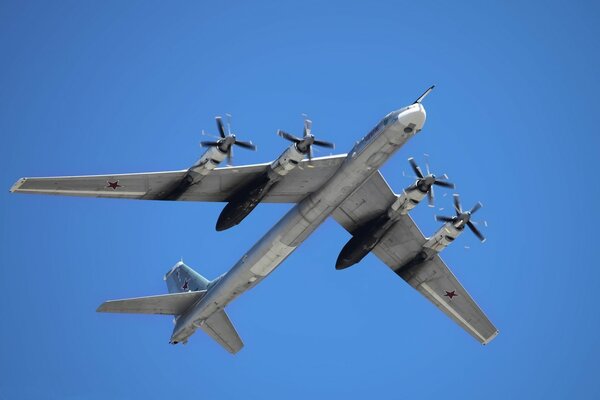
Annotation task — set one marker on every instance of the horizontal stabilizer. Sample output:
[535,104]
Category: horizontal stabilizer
[220,328]
[167,304]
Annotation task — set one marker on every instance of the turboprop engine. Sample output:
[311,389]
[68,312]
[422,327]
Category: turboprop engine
[217,151]
[454,226]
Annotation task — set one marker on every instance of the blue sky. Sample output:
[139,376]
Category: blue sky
[113,86]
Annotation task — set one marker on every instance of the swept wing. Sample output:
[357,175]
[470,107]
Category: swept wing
[218,186]
[432,278]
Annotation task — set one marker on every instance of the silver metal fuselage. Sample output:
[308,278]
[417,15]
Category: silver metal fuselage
[367,156]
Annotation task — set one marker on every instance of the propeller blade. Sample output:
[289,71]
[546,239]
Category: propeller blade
[307,127]
[310,155]
[476,207]
[443,218]
[228,123]
[245,145]
[209,135]
[288,136]
[220,126]
[415,168]
[444,184]
[322,143]
[476,231]
[457,205]
[206,143]
[430,197]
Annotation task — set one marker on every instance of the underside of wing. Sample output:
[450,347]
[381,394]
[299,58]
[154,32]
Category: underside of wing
[400,245]
[218,186]
[296,185]
[126,186]
[434,280]
[366,203]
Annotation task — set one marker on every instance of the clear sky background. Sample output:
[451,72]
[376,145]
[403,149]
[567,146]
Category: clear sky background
[127,86]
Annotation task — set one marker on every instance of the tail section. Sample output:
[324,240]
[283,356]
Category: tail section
[182,278]
[219,327]
[186,289]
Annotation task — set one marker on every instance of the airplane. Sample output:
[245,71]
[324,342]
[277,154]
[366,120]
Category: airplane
[348,187]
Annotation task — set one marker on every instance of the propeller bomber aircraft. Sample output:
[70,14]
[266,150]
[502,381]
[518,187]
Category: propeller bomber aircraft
[347,186]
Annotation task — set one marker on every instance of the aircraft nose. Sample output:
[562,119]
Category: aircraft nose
[414,117]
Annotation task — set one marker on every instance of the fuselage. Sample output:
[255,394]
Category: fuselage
[367,156]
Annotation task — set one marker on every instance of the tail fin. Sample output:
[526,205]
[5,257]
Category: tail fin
[182,278]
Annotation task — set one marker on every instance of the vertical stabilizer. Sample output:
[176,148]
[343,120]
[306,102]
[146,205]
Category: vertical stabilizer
[182,278]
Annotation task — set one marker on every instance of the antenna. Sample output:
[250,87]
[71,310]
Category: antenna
[422,97]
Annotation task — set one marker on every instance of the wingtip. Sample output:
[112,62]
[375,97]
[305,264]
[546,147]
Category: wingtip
[234,351]
[17,185]
[488,340]
[101,307]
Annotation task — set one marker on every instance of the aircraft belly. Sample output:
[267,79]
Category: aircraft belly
[271,259]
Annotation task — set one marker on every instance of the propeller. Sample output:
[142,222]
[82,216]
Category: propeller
[463,218]
[304,144]
[425,183]
[226,141]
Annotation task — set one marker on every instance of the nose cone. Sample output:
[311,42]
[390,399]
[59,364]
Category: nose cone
[413,118]
[342,262]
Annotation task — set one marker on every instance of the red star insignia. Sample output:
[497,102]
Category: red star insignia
[450,294]
[185,285]
[113,185]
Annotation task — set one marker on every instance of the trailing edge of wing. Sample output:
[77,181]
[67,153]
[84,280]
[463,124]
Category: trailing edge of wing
[166,304]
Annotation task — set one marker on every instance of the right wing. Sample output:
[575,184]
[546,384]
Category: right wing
[219,327]
[432,278]
[217,186]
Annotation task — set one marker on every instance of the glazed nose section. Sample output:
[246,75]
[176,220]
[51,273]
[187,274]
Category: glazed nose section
[413,118]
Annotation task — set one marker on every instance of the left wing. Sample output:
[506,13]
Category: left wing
[432,278]
[217,186]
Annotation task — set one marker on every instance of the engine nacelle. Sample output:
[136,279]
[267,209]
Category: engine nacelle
[443,237]
[209,161]
[287,161]
[406,202]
